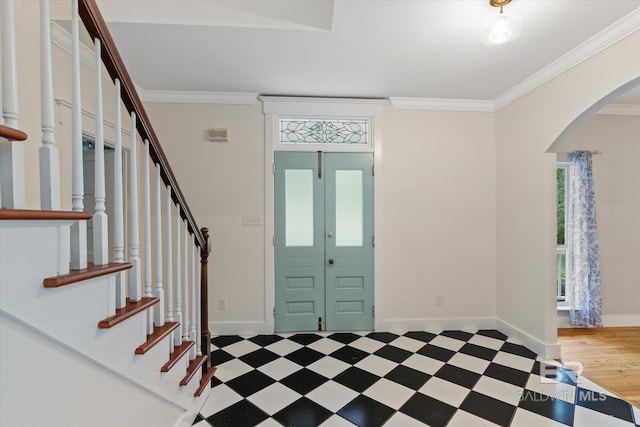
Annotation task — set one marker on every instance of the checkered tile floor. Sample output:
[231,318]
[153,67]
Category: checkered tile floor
[371,379]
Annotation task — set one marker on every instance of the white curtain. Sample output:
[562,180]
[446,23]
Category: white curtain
[583,256]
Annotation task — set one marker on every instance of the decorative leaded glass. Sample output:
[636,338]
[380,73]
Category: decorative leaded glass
[324,131]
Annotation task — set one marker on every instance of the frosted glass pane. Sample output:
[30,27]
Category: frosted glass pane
[298,207]
[349,210]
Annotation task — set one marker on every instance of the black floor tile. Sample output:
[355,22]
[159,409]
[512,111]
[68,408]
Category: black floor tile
[555,372]
[302,413]
[421,336]
[265,340]
[492,333]
[458,376]
[344,337]
[198,419]
[356,379]
[518,350]
[366,412]
[304,356]
[385,337]
[435,352]
[509,375]
[349,354]
[305,339]
[547,406]
[241,414]
[215,382]
[250,383]
[394,354]
[459,335]
[259,357]
[479,351]
[304,380]
[486,407]
[603,403]
[408,377]
[218,357]
[225,340]
[428,410]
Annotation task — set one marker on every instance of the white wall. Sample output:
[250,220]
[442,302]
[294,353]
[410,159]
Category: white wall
[435,189]
[616,172]
[525,129]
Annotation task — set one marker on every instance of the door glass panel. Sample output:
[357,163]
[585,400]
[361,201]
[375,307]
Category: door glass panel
[349,208]
[298,207]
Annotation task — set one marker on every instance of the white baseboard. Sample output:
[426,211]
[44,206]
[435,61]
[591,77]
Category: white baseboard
[620,320]
[549,351]
[238,328]
[187,419]
[435,324]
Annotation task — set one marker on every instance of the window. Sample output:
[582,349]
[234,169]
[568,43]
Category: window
[562,178]
[323,131]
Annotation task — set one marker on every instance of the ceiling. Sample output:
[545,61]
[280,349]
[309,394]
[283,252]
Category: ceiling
[348,48]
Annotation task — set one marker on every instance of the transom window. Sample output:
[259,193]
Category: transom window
[324,131]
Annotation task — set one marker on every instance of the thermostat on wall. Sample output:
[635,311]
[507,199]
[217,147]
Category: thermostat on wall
[218,135]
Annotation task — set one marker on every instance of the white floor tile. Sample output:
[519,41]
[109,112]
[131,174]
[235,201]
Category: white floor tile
[332,395]
[524,418]
[284,347]
[469,363]
[336,421]
[274,398]
[465,419]
[558,390]
[488,342]
[445,391]
[376,365]
[408,344]
[423,363]
[325,345]
[390,393]
[514,361]
[269,422]
[202,423]
[500,390]
[446,342]
[219,398]
[584,382]
[241,348]
[328,366]
[636,413]
[585,417]
[232,369]
[367,344]
[279,368]
[401,420]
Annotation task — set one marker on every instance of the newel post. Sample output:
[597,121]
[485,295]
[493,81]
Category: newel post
[204,300]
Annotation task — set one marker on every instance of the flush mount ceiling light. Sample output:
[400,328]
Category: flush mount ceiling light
[502,29]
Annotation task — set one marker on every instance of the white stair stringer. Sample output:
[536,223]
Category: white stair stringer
[29,252]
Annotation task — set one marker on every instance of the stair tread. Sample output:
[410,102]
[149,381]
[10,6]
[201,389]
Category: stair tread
[194,365]
[131,309]
[39,215]
[204,381]
[159,332]
[91,272]
[178,352]
[12,134]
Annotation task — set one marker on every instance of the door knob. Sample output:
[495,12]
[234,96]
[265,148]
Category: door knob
[331,261]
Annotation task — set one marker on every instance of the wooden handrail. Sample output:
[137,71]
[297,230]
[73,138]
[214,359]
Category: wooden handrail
[11,134]
[97,28]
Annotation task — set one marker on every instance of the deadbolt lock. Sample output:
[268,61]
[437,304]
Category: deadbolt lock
[331,261]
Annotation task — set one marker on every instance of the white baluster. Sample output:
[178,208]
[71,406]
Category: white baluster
[185,285]
[194,310]
[147,232]
[198,308]
[79,228]
[178,314]
[11,153]
[48,152]
[100,221]
[159,293]
[118,204]
[169,262]
[135,274]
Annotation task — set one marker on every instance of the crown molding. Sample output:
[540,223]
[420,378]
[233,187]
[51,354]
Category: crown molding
[617,31]
[621,110]
[186,97]
[442,104]
[358,107]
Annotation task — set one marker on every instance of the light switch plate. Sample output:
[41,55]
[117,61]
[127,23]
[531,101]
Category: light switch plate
[252,220]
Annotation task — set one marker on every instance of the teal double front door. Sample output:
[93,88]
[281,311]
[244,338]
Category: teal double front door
[323,241]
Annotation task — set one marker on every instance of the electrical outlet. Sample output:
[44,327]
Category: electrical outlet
[252,220]
[222,304]
[439,301]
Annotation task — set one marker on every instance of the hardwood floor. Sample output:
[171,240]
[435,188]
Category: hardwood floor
[611,357]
